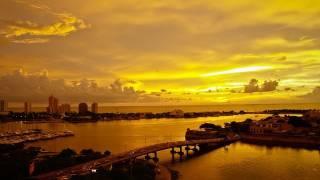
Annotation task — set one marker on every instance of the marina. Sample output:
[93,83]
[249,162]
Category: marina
[222,163]
[32,135]
[19,133]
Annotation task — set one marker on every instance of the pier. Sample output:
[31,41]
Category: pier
[148,152]
[31,136]
[19,133]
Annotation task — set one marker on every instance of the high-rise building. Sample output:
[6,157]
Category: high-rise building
[64,108]
[3,106]
[53,105]
[94,107]
[83,108]
[27,107]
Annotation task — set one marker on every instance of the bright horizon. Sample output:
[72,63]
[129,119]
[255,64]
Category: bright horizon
[160,53]
[20,105]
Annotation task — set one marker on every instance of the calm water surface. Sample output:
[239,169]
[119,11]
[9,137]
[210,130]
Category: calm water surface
[238,161]
[190,108]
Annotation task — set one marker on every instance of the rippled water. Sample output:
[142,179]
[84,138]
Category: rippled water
[245,162]
[238,161]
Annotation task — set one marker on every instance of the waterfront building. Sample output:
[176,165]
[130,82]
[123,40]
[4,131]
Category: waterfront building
[256,129]
[273,124]
[83,108]
[27,107]
[53,105]
[64,108]
[3,106]
[94,107]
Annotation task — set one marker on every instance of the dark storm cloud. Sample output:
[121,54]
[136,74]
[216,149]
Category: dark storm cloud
[267,86]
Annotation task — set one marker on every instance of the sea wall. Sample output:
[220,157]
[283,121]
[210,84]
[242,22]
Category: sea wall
[283,140]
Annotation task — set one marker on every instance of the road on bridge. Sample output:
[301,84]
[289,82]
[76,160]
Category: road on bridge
[86,168]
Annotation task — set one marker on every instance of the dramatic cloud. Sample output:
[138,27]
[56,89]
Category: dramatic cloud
[30,32]
[21,86]
[186,47]
[252,86]
[66,25]
[267,86]
[313,96]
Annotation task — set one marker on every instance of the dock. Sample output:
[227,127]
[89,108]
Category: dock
[31,136]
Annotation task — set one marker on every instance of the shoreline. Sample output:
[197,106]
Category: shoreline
[94,117]
[281,140]
[74,117]
[32,136]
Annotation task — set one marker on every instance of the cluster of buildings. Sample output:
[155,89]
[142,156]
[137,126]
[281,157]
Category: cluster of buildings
[83,108]
[272,124]
[4,106]
[307,123]
[53,107]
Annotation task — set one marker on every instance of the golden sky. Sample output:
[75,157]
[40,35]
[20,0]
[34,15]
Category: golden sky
[164,51]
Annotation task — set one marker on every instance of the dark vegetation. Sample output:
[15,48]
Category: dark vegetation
[17,162]
[140,170]
[210,126]
[238,127]
[82,116]
[66,158]
[89,116]
[286,111]
[298,122]
[21,116]
[233,126]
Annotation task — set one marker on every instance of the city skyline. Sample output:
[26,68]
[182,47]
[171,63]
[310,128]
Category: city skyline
[52,107]
[160,89]
[160,53]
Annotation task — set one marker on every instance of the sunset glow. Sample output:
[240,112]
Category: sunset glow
[159,52]
[237,70]
[118,89]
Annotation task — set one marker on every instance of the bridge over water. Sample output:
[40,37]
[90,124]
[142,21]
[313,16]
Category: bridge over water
[105,162]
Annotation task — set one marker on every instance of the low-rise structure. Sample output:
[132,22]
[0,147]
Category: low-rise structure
[272,124]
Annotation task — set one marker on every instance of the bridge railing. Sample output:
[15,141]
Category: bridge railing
[85,167]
